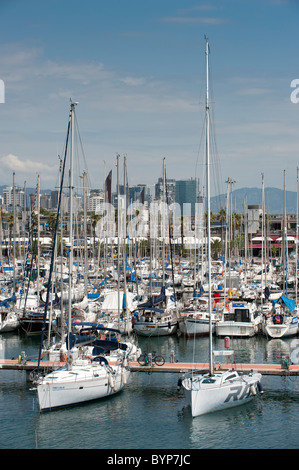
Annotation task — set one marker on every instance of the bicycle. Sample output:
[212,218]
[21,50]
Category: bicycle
[148,359]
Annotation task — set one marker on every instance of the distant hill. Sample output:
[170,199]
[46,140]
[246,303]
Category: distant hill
[253,196]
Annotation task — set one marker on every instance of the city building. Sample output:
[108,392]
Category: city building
[186,195]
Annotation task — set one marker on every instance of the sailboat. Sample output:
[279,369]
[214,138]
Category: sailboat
[215,391]
[81,379]
[282,319]
[9,319]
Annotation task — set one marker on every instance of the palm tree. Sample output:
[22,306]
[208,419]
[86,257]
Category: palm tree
[216,247]
[222,220]
[94,217]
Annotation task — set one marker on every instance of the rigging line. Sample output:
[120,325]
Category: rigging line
[80,141]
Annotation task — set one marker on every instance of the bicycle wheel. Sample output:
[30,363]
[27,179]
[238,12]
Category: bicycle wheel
[159,360]
[142,360]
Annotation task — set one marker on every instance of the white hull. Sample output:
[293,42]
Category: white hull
[123,325]
[10,323]
[192,327]
[155,329]
[80,384]
[205,396]
[241,329]
[288,328]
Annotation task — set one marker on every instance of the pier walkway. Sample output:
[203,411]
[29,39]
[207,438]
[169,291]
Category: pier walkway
[170,367]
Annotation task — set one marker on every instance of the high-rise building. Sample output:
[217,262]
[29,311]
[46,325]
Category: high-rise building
[9,193]
[186,192]
[169,190]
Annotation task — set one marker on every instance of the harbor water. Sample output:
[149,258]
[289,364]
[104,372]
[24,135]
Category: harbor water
[150,413]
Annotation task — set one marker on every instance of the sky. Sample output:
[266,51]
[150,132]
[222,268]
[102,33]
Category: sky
[137,70]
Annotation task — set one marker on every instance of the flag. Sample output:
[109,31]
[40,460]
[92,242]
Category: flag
[108,187]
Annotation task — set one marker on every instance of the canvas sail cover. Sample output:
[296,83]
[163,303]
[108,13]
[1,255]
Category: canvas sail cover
[289,303]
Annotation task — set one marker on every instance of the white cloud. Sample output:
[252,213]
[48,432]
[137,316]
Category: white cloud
[14,163]
[193,20]
[131,81]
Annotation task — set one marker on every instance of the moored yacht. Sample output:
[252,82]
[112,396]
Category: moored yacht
[281,320]
[240,319]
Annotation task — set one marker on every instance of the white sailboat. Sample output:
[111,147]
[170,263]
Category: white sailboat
[81,379]
[195,319]
[9,319]
[282,320]
[216,390]
[156,317]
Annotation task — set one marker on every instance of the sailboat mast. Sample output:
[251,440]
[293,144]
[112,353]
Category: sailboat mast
[71,218]
[163,225]
[285,235]
[208,206]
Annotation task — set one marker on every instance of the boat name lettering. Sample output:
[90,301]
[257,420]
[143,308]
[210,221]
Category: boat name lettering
[238,393]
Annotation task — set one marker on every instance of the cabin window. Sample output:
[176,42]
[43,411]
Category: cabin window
[208,381]
[231,376]
[241,315]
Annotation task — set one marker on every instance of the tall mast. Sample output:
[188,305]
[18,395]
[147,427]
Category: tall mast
[14,233]
[38,235]
[118,242]
[85,232]
[208,205]
[71,216]
[285,235]
[163,225]
[296,244]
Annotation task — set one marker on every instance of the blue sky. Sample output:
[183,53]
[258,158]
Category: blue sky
[137,70]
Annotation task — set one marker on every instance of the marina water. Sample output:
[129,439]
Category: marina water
[150,413]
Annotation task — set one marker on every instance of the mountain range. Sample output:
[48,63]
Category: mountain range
[253,196]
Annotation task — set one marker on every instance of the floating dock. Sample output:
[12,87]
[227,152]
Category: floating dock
[183,367]
[284,369]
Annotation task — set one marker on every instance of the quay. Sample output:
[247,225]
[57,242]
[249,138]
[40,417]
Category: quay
[284,369]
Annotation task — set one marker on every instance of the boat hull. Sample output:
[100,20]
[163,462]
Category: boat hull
[191,327]
[240,329]
[281,331]
[209,399]
[155,329]
[9,324]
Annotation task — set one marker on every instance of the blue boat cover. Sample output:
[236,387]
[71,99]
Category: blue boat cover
[289,303]
[5,303]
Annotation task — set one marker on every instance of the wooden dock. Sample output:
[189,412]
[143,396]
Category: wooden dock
[183,367]
[29,366]
[168,367]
